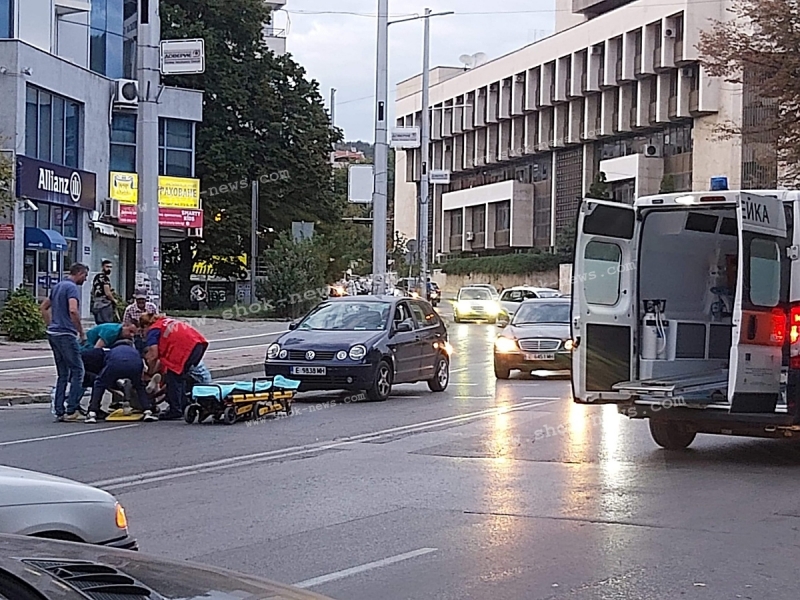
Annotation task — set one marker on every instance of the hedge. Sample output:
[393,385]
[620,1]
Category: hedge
[507,264]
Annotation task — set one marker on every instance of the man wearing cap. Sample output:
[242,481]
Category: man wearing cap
[140,306]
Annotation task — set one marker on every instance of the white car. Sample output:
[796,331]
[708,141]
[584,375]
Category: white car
[512,297]
[40,505]
[475,303]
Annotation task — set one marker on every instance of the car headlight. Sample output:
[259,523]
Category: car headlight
[358,352]
[122,519]
[505,345]
[283,354]
[273,351]
[569,345]
[341,355]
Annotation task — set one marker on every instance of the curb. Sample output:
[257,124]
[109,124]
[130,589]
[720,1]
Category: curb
[215,373]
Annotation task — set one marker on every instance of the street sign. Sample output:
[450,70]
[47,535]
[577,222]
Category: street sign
[360,184]
[405,137]
[439,177]
[183,57]
[6,231]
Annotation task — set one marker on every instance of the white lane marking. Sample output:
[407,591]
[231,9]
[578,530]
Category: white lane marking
[459,370]
[248,337]
[66,435]
[385,562]
[284,453]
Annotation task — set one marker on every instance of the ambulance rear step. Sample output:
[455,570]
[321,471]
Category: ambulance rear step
[695,387]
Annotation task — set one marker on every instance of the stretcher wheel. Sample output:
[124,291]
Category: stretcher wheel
[190,414]
[229,415]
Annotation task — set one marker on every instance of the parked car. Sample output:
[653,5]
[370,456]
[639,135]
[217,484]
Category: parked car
[475,303]
[368,343]
[49,570]
[538,338]
[512,297]
[45,506]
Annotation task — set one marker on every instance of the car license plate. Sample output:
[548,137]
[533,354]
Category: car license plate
[541,356]
[308,371]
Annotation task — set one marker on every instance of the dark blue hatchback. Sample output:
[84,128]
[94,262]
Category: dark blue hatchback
[364,343]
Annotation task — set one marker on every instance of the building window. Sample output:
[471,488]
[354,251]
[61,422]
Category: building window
[176,148]
[52,128]
[456,222]
[107,38]
[479,219]
[123,143]
[503,216]
[6,18]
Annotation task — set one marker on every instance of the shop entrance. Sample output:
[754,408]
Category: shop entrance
[44,261]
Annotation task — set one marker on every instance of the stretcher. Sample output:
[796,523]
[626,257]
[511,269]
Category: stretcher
[239,401]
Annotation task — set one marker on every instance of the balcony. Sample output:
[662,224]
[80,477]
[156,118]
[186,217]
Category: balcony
[275,40]
[637,65]
[502,238]
[657,57]
[673,107]
[678,51]
[652,112]
[634,116]
[70,7]
[694,101]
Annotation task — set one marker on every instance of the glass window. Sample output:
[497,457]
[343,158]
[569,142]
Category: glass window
[123,158]
[43,216]
[58,130]
[46,128]
[69,223]
[176,156]
[97,61]
[179,164]
[419,315]
[99,14]
[765,273]
[6,18]
[51,128]
[30,218]
[72,134]
[601,278]
[32,122]
[123,143]
[179,134]
[57,219]
[503,216]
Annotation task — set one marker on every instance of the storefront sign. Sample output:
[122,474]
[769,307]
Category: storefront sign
[6,231]
[179,218]
[173,192]
[48,182]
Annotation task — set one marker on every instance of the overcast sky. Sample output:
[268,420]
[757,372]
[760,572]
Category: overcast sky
[338,49]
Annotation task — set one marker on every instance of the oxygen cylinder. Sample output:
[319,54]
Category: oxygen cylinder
[650,337]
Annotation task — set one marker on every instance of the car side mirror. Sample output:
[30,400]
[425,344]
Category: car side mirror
[293,325]
[404,327]
[503,320]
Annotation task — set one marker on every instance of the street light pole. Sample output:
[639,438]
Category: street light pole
[380,195]
[253,239]
[424,185]
[148,248]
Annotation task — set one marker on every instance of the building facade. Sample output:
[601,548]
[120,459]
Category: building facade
[617,89]
[275,31]
[68,122]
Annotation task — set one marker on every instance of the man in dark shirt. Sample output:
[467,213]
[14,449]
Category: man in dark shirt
[103,306]
[62,314]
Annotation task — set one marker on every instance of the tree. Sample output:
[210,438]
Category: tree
[600,189]
[759,48]
[565,242]
[667,184]
[262,119]
[6,184]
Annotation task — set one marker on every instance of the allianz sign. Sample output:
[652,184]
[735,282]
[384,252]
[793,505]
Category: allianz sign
[71,186]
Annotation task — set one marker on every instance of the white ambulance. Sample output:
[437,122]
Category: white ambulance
[686,312]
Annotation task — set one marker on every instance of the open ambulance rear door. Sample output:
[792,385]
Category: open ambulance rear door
[604,306]
[759,310]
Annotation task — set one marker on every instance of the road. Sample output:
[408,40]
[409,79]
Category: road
[502,490]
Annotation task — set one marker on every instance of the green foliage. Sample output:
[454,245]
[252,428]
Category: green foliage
[294,275]
[565,242]
[6,184]
[600,188]
[21,319]
[120,306]
[667,184]
[507,264]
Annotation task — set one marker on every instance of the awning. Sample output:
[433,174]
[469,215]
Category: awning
[44,239]
[105,229]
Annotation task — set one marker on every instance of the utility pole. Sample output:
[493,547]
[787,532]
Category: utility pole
[424,185]
[253,239]
[148,247]
[333,107]
[380,195]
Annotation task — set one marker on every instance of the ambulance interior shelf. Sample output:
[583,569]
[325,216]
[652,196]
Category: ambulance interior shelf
[687,274]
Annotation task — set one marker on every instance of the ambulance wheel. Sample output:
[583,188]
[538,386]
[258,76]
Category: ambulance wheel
[671,435]
[229,415]
[190,414]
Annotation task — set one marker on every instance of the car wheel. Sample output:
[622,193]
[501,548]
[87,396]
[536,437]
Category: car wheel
[442,375]
[671,435]
[382,386]
[501,372]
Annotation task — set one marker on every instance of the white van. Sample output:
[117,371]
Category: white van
[685,312]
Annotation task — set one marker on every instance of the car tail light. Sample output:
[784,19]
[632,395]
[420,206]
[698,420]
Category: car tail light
[778,335]
[794,336]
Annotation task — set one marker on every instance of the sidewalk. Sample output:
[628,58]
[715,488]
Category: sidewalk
[31,384]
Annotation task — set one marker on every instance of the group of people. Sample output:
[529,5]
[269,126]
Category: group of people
[148,353]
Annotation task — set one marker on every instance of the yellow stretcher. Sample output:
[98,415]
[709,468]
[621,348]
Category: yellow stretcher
[239,401]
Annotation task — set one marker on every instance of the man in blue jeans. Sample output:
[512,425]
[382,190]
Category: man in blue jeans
[62,315]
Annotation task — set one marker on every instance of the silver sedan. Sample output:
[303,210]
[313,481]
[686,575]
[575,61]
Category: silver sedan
[40,505]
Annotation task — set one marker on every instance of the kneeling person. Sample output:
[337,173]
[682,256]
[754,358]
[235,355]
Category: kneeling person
[122,361]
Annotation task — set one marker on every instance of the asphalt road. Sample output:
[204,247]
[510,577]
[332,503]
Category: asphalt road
[491,490]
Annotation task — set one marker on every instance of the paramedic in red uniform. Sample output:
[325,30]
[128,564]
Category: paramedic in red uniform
[173,347]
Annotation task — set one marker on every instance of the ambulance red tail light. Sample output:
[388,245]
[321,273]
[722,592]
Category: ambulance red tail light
[713,198]
[778,335]
[794,336]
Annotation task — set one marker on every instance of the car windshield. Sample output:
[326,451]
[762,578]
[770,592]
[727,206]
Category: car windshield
[517,295]
[542,312]
[475,294]
[348,316]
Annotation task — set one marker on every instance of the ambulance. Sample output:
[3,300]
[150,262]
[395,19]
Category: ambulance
[686,312]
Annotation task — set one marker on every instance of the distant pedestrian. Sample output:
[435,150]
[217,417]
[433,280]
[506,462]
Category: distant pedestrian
[62,314]
[140,306]
[103,303]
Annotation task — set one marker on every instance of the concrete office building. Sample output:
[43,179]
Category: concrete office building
[68,122]
[616,89]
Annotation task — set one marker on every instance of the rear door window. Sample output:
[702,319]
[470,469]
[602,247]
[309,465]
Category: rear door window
[419,315]
[765,273]
[601,278]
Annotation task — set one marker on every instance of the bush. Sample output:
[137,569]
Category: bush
[21,319]
[507,264]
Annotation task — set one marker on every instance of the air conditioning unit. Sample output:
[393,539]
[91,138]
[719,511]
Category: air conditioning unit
[597,50]
[652,151]
[195,232]
[470,236]
[126,93]
[669,32]
[112,208]
[687,72]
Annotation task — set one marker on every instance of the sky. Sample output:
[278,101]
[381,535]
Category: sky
[338,49]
